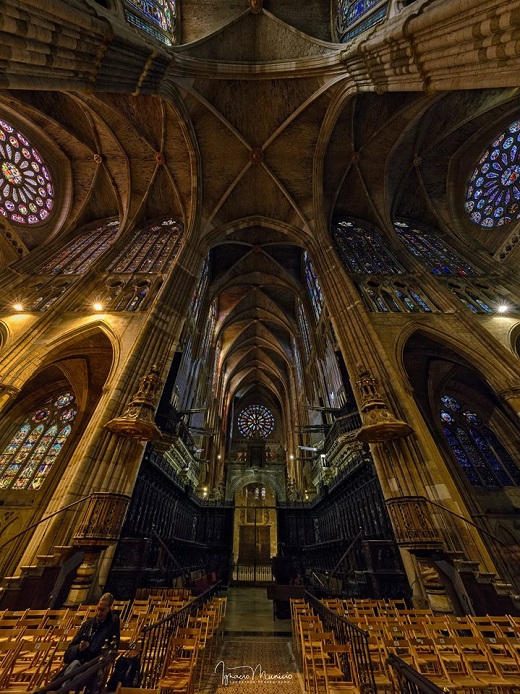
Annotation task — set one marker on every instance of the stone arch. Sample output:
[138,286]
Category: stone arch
[268,478]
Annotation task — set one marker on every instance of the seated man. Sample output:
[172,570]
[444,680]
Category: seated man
[92,636]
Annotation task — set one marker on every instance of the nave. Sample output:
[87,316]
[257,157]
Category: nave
[221,641]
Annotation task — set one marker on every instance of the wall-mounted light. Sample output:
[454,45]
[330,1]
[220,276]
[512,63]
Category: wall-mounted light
[18,307]
[502,308]
[97,306]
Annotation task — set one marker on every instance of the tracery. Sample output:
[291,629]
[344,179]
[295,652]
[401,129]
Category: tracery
[152,249]
[155,17]
[493,190]
[26,187]
[83,251]
[256,421]
[313,286]
[32,451]
[476,447]
[430,250]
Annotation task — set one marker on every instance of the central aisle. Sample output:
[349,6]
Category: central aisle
[256,654]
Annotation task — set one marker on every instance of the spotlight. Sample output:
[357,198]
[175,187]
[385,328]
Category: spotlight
[18,307]
[97,306]
[502,308]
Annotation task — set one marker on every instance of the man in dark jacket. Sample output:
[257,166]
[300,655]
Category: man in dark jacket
[93,634]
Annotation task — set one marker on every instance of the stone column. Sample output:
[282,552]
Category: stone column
[408,464]
[104,461]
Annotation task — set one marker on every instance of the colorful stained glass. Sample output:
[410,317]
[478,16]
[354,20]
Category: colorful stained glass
[362,250]
[348,12]
[450,402]
[304,328]
[156,17]
[68,415]
[255,421]
[41,415]
[476,447]
[28,457]
[151,250]
[481,298]
[26,190]
[313,286]
[493,190]
[430,250]
[64,399]
[83,251]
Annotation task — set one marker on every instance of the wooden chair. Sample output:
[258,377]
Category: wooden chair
[179,670]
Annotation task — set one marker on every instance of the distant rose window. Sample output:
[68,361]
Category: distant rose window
[26,188]
[493,192]
[256,421]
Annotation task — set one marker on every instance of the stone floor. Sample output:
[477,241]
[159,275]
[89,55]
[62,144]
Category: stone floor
[256,653]
[249,611]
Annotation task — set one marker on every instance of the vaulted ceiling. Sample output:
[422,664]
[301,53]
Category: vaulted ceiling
[257,138]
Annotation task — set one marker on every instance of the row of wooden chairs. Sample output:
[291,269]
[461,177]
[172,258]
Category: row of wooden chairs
[477,653]
[324,662]
[191,650]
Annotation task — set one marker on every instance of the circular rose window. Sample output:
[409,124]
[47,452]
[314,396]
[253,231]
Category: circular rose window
[493,192]
[256,421]
[26,190]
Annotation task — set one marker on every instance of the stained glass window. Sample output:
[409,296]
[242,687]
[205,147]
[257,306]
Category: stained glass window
[304,329]
[30,454]
[481,298]
[256,421]
[152,249]
[26,188]
[313,286]
[83,251]
[348,12]
[394,297]
[362,250]
[475,446]
[156,17]
[297,363]
[493,191]
[200,291]
[434,253]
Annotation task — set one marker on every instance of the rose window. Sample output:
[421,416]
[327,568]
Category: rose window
[493,192]
[26,189]
[256,421]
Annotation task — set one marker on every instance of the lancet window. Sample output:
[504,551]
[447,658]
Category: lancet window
[362,250]
[31,452]
[430,250]
[479,297]
[396,297]
[476,447]
[83,251]
[313,286]
[151,250]
[304,329]
[200,291]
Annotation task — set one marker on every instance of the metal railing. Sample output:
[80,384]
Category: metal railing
[347,633]
[250,573]
[92,674]
[154,639]
[409,680]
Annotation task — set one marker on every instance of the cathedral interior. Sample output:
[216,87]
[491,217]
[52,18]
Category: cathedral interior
[260,297]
